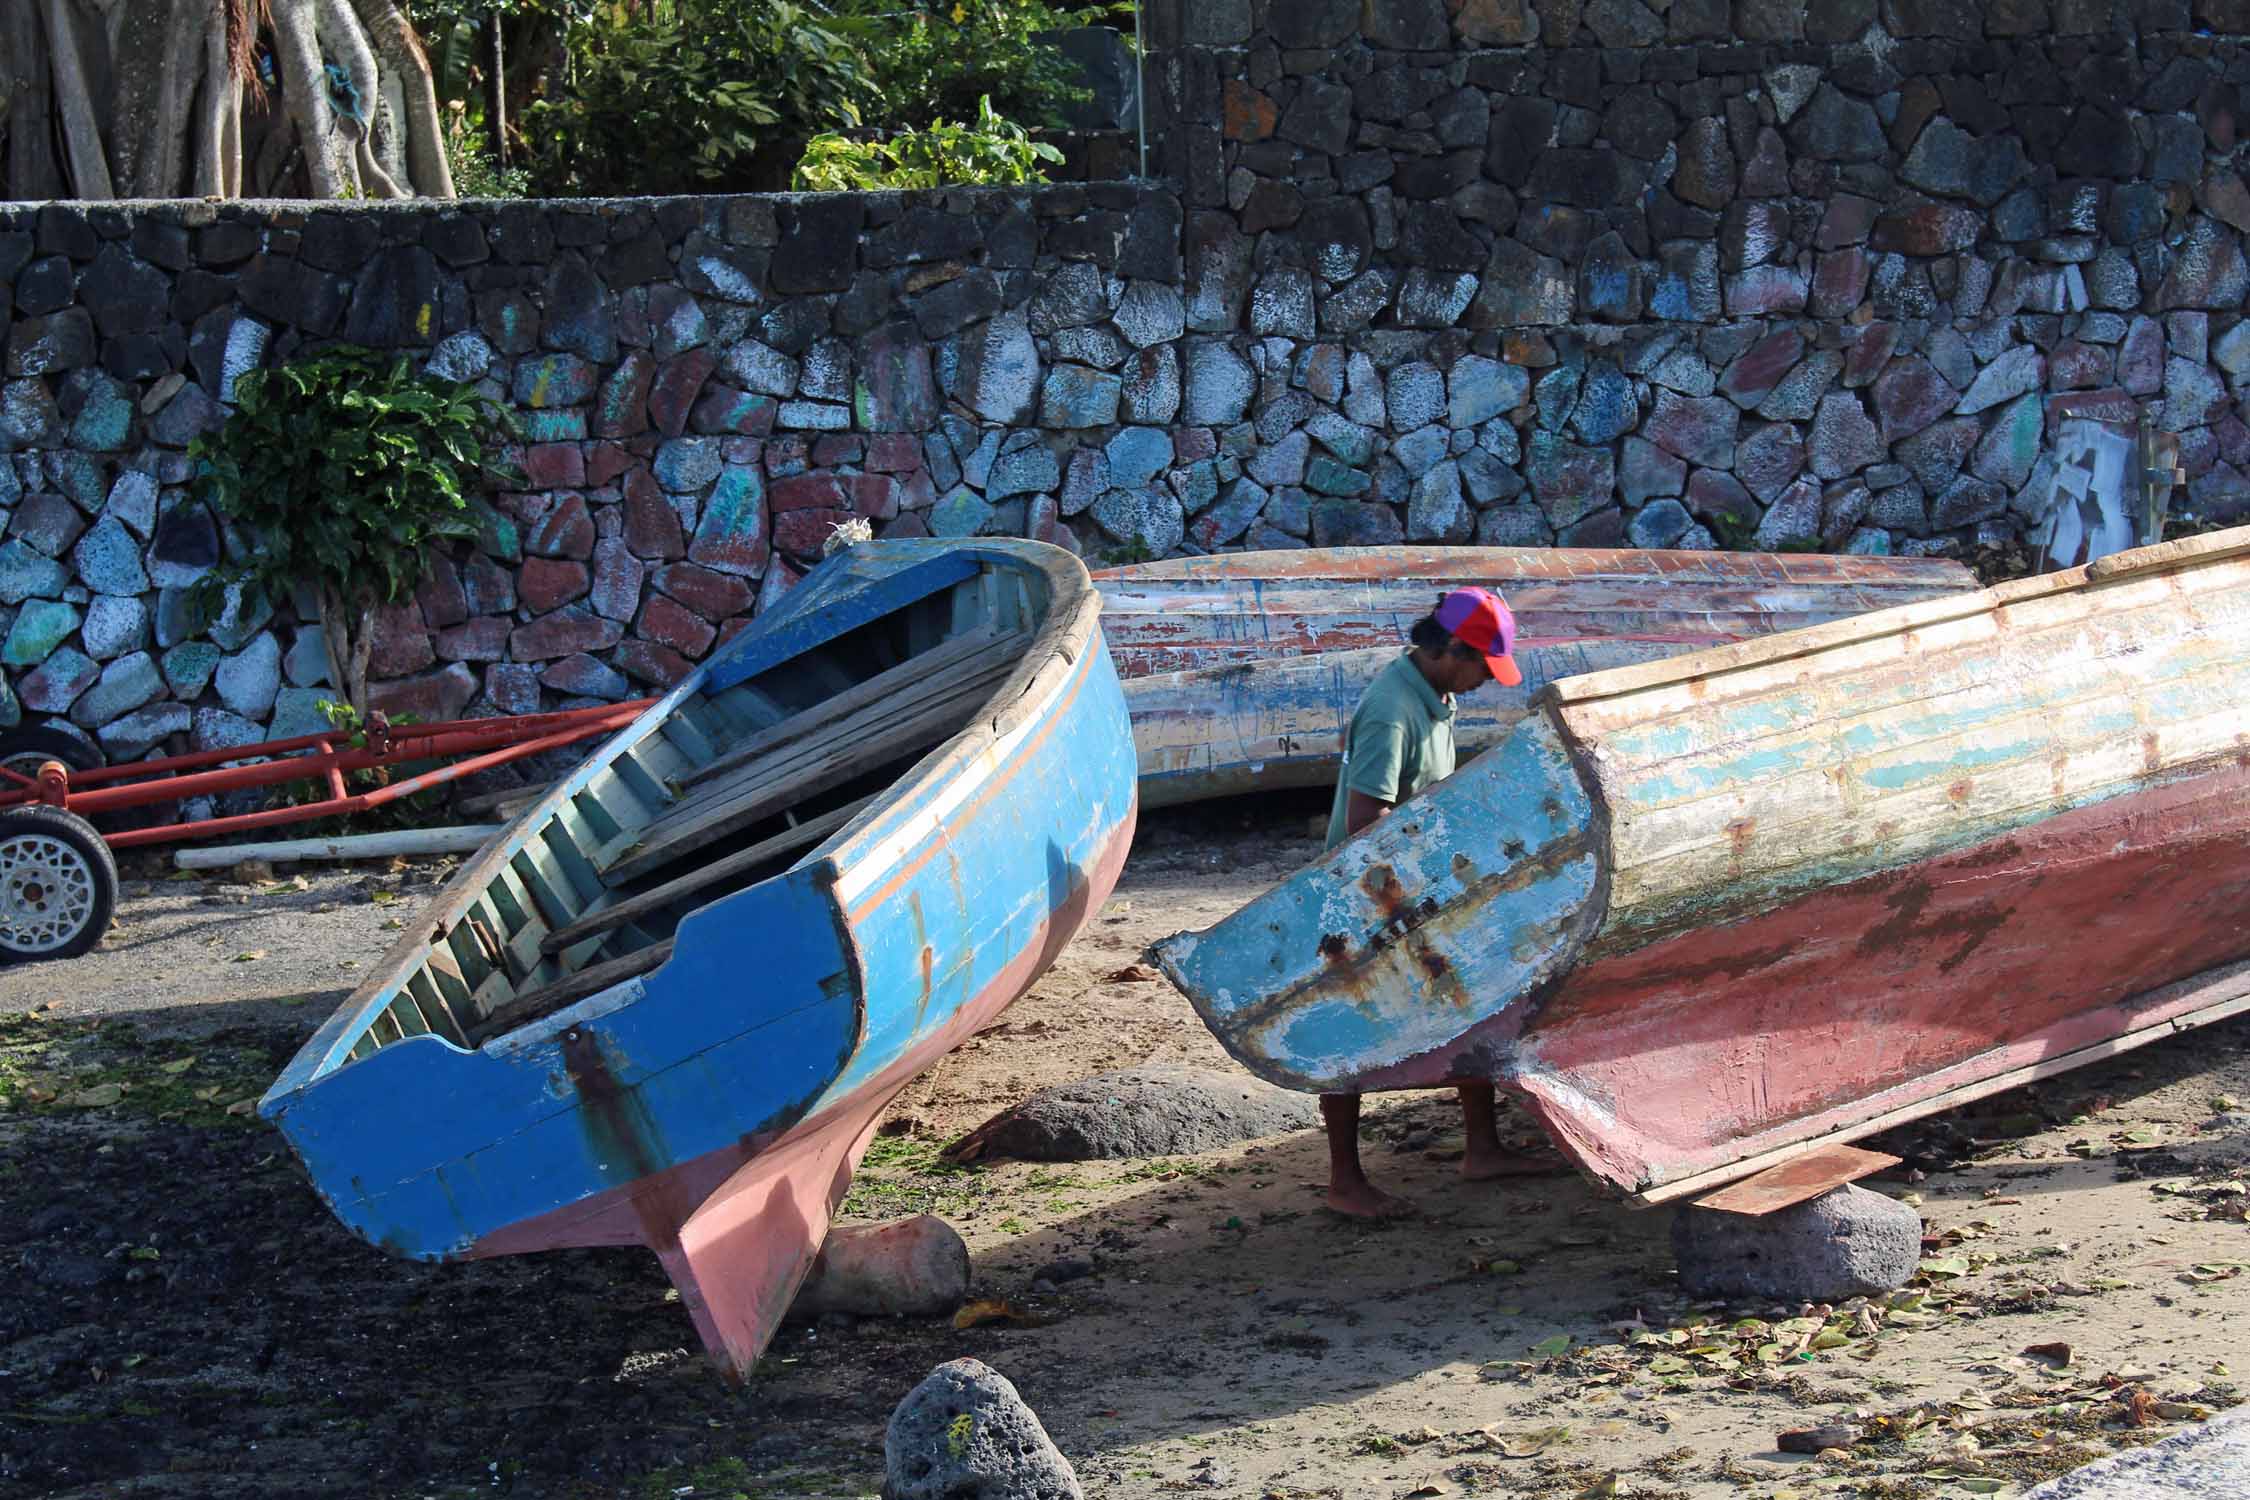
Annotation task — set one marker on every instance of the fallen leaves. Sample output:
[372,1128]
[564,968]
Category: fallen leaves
[250,956]
[99,1096]
[2058,1354]
[989,1310]
[1133,974]
[1531,1444]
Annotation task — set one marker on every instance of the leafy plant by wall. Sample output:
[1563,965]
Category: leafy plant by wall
[936,60]
[341,470]
[992,150]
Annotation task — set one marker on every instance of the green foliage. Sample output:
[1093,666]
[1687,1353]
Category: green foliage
[343,467]
[959,1433]
[991,150]
[688,96]
[933,61]
[475,173]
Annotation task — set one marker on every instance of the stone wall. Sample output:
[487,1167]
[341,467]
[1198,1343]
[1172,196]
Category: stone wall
[1510,271]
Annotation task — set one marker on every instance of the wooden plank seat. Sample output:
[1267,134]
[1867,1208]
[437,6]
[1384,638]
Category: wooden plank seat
[633,908]
[571,989]
[914,718]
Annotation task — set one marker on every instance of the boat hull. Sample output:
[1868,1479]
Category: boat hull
[713,1108]
[1243,670]
[1824,882]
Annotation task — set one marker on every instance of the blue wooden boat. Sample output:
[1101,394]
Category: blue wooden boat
[1243,669]
[666,1007]
[1708,915]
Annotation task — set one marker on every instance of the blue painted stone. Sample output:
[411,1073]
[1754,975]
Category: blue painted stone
[554,380]
[27,414]
[962,512]
[1220,384]
[1349,441]
[1148,518]
[242,616]
[41,626]
[1869,541]
[757,367]
[1660,524]
[248,680]
[1150,313]
[1436,512]
[11,712]
[1030,469]
[108,559]
[306,664]
[1557,395]
[731,535]
[105,422]
[85,480]
[133,500]
[1197,485]
[188,668]
[297,711]
[564,426]
[49,524]
[1137,455]
[1415,394]
[1076,396]
[125,684]
[1569,481]
[813,416]
[1328,477]
[216,729]
[1354,523]
[115,624]
[1418,452]
[1152,386]
[997,368]
[57,683]
[26,574]
[137,733]
[685,465]
[1232,516]
[1488,478]
[1607,408]
[463,356]
[1485,388]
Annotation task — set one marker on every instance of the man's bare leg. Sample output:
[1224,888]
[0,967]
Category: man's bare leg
[1485,1157]
[1349,1191]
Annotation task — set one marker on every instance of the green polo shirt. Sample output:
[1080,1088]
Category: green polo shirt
[1400,741]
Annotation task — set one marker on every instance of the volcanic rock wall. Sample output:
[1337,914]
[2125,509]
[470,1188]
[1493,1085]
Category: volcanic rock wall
[1585,272]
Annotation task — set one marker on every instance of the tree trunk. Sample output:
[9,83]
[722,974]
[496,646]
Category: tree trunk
[402,57]
[347,631]
[30,168]
[83,151]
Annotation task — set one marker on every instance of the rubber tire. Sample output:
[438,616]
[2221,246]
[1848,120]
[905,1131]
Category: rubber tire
[41,743]
[70,829]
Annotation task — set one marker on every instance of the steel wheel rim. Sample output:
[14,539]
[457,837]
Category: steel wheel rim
[46,892]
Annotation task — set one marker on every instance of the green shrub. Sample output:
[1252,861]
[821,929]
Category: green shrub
[991,150]
[691,96]
[938,59]
[340,470]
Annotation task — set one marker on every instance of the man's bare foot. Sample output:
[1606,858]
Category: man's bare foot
[1363,1200]
[1483,1164]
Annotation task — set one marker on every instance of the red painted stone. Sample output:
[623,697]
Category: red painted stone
[659,666]
[910,524]
[1910,396]
[916,491]
[583,677]
[652,527]
[806,492]
[722,409]
[669,623]
[2106,405]
[786,456]
[606,463]
[399,641]
[621,406]
[2080,367]
[440,595]
[1193,444]
[484,638]
[1927,229]
[609,516]
[894,453]
[567,530]
[433,697]
[567,630]
[545,583]
[1759,368]
[512,687]
[800,533]
[2140,360]
[1866,355]
[617,580]
[715,596]
[554,466]
[673,397]
[1839,282]
[837,448]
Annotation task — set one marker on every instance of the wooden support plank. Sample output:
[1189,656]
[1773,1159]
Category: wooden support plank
[572,988]
[709,819]
[803,836]
[931,667]
[1797,1181]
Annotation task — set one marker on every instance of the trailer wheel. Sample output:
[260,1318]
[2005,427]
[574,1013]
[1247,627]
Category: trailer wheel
[23,750]
[58,884]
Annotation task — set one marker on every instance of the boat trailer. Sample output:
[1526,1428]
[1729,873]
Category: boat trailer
[58,875]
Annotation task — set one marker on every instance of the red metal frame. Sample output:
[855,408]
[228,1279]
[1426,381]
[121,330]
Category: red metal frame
[307,757]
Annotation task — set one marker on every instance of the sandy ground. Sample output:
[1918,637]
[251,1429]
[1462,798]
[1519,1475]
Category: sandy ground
[1197,1325]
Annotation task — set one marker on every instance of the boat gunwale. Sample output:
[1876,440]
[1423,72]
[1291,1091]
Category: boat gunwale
[1058,642]
[1903,619]
[1403,564]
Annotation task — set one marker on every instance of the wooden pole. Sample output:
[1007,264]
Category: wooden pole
[462,840]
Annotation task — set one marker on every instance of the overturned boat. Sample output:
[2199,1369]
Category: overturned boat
[1708,914]
[1242,670]
[666,1006]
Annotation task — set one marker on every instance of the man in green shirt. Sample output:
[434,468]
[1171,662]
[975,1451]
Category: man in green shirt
[1400,741]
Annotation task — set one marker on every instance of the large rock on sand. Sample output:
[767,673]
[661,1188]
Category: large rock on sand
[1845,1243]
[1153,1110]
[964,1434]
[910,1268]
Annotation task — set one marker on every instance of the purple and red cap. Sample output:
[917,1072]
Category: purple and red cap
[1479,620]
